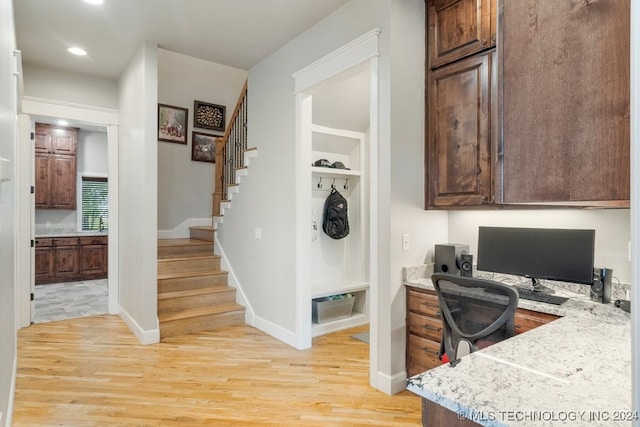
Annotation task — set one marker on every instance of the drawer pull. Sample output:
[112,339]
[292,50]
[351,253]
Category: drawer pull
[427,304]
[432,328]
[516,326]
[428,350]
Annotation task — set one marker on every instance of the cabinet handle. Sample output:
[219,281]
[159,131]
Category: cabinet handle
[493,38]
[428,350]
[432,328]
[516,326]
[427,304]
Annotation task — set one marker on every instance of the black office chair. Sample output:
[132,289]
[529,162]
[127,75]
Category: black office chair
[475,314]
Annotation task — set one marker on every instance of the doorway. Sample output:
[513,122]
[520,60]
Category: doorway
[100,125]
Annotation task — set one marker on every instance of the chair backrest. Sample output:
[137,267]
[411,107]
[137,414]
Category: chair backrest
[475,313]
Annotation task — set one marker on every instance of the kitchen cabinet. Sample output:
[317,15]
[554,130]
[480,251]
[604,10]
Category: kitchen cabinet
[459,28]
[93,257]
[424,328]
[66,259]
[566,102]
[459,133]
[547,128]
[55,167]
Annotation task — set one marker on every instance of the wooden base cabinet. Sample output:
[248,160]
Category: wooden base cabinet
[67,259]
[424,328]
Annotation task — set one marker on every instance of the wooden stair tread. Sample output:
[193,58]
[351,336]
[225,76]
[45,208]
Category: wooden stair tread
[191,257]
[198,312]
[194,292]
[184,274]
[250,149]
[183,242]
[202,227]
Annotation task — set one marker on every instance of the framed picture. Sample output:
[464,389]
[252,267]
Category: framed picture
[172,124]
[203,147]
[208,116]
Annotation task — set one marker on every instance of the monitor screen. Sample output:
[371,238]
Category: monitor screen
[539,253]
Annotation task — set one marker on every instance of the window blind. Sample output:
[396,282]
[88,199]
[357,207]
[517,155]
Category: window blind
[95,204]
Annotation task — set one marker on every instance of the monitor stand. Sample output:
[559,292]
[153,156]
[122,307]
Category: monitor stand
[536,286]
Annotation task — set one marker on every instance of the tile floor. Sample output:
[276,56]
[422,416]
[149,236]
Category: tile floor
[59,301]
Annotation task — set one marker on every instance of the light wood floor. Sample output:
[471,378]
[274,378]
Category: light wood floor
[92,372]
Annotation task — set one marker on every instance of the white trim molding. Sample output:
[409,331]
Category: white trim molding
[145,337]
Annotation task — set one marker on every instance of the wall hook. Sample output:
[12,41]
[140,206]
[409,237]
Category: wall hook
[333,186]
[346,184]
[320,183]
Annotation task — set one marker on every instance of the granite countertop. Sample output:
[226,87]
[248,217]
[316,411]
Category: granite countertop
[573,371]
[41,235]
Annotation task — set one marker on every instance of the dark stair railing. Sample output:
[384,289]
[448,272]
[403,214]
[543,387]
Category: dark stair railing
[230,150]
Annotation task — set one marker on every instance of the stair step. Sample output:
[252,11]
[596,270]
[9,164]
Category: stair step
[185,281]
[193,264]
[179,248]
[200,319]
[195,298]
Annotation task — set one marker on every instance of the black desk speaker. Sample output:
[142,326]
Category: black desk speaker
[601,287]
[448,258]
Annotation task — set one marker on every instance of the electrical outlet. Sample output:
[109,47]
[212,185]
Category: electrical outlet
[258,233]
[405,242]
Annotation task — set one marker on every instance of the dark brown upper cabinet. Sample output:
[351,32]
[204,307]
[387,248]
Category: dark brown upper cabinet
[459,28]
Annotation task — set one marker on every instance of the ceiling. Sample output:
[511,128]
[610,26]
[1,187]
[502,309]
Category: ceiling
[237,33]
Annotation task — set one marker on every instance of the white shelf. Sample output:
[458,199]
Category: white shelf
[356,319]
[331,172]
[319,290]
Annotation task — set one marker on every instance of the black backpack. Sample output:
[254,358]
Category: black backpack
[335,223]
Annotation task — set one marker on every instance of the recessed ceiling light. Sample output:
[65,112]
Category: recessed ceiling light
[94,1]
[63,123]
[77,51]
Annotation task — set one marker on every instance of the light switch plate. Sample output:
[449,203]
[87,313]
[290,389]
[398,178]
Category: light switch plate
[405,242]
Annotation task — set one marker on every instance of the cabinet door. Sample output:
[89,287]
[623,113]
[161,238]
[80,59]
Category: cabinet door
[66,262]
[63,186]
[459,28]
[44,264]
[458,135]
[43,138]
[63,141]
[42,192]
[93,261]
[566,102]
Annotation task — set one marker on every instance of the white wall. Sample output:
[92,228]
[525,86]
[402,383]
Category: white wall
[186,187]
[91,158]
[8,137]
[265,267]
[407,214]
[611,225]
[137,160]
[63,86]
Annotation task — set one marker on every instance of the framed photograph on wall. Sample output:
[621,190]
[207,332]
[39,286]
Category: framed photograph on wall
[208,116]
[203,147]
[172,124]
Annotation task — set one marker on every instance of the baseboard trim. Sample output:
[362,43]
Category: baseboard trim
[182,230]
[12,392]
[144,336]
[241,298]
[277,332]
[391,384]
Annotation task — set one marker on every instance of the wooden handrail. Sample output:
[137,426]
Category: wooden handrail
[227,157]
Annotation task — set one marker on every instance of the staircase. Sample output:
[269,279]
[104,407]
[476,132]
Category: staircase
[192,289]
[193,294]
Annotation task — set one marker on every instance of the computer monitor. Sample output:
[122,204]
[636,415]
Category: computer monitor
[565,255]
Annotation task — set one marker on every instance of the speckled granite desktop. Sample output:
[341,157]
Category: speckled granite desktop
[573,371]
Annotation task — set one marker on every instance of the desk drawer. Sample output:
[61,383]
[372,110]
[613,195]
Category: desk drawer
[422,355]
[422,302]
[425,326]
[525,320]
